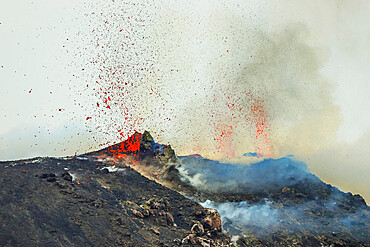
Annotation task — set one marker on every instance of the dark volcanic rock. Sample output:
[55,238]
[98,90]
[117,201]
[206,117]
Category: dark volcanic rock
[121,208]
[67,176]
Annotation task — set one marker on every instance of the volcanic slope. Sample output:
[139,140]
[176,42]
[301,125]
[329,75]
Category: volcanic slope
[91,200]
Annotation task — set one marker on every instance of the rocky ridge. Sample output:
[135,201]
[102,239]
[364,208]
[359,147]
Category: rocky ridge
[93,200]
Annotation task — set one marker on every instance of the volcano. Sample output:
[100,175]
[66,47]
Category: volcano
[139,193]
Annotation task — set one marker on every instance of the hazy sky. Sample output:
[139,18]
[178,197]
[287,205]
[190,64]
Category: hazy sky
[308,61]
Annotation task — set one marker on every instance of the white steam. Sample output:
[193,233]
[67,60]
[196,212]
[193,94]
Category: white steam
[265,175]
[242,214]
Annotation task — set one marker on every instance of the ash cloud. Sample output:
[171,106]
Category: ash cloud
[238,64]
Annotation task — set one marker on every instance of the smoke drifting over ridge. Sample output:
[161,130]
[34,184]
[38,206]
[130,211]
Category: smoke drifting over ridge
[239,218]
[258,177]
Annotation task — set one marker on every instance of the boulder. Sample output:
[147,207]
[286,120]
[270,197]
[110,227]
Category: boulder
[166,218]
[137,213]
[197,229]
[67,176]
[155,230]
[212,220]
